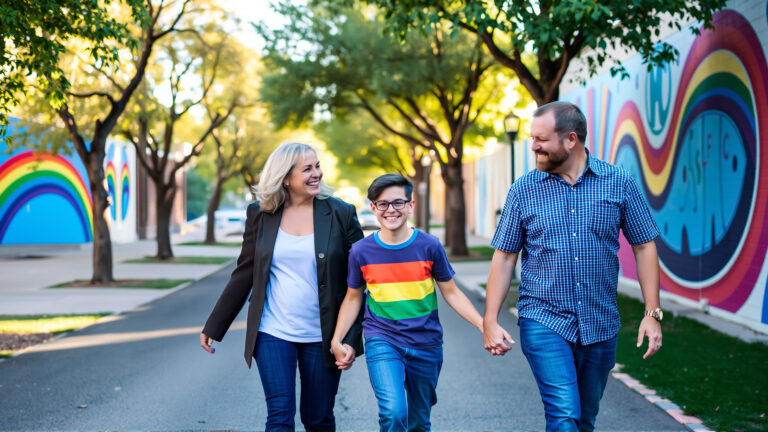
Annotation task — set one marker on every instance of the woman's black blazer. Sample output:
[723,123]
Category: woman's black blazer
[336,228]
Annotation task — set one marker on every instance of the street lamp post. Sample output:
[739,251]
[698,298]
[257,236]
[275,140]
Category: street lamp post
[511,127]
[426,163]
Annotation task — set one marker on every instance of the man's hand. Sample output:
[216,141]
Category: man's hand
[494,337]
[345,355]
[205,343]
[652,329]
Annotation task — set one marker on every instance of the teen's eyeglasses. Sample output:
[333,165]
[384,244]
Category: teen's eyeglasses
[397,204]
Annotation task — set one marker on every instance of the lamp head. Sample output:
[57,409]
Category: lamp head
[511,126]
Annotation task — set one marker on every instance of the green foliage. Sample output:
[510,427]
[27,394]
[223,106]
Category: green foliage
[557,32]
[332,63]
[34,36]
[364,150]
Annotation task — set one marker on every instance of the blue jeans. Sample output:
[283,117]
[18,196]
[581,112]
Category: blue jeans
[404,382]
[277,359]
[571,376]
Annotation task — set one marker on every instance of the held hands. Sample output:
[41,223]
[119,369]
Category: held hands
[205,343]
[651,328]
[494,337]
[345,355]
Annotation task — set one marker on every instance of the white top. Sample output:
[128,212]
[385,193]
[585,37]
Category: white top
[292,309]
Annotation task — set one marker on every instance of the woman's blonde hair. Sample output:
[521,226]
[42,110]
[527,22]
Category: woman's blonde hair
[270,191]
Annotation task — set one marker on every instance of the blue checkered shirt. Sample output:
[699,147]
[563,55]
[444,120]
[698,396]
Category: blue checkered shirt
[569,237]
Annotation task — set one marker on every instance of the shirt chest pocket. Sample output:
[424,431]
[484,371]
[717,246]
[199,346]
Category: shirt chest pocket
[605,219]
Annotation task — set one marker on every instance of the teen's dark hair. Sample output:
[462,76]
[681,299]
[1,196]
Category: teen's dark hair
[388,180]
[568,118]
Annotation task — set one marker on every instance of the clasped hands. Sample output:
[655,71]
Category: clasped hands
[344,353]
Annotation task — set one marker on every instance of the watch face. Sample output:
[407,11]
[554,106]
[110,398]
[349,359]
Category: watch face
[659,314]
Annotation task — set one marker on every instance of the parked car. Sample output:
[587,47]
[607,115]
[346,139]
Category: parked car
[367,219]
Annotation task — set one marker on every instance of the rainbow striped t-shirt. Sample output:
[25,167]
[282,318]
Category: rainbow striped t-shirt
[402,304]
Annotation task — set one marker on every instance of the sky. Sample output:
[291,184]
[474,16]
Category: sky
[251,11]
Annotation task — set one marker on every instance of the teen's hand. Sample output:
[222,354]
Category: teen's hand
[494,337]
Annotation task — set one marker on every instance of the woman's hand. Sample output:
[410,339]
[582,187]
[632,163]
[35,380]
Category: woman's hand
[205,343]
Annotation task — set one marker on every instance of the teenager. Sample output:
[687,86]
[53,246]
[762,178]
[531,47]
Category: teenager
[403,337]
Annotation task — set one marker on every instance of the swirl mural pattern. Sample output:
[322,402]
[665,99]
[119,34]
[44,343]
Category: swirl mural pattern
[125,182]
[707,180]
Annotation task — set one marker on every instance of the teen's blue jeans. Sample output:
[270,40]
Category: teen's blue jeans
[404,382]
[277,359]
[571,376]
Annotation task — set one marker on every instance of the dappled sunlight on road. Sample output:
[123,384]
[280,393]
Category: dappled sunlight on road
[86,341]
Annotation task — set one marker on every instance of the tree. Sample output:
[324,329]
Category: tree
[428,93]
[34,38]
[99,94]
[189,66]
[366,150]
[363,148]
[558,32]
[241,147]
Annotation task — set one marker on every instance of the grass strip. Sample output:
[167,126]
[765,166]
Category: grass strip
[207,244]
[181,260]
[15,328]
[718,378]
[476,253]
[131,283]
[27,324]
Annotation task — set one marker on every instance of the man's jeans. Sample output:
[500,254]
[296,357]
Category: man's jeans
[404,382]
[277,359]
[571,376]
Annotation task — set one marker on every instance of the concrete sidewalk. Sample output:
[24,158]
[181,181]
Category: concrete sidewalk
[27,275]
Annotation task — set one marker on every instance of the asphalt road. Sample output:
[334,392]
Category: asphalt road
[145,371]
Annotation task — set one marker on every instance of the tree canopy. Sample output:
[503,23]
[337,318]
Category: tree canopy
[35,34]
[332,62]
[557,32]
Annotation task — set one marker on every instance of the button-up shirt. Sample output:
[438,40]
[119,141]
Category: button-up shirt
[569,237]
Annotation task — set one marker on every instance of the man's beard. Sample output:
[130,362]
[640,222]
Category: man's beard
[553,161]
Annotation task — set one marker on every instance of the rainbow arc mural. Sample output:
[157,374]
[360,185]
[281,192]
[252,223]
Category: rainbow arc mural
[695,137]
[45,198]
[37,186]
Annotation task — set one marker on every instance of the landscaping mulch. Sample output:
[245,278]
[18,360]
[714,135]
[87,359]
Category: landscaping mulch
[18,341]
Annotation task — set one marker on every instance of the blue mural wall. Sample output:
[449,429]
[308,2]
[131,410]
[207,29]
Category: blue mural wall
[45,198]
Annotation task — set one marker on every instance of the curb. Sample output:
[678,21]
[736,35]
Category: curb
[673,410]
[690,422]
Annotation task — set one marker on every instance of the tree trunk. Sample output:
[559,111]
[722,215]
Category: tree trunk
[164,202]
[213,205]
[102,242]
[455,208]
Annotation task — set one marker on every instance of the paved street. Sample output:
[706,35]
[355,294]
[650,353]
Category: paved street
[144,371]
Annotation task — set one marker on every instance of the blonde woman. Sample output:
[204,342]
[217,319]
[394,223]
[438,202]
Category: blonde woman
[292,268]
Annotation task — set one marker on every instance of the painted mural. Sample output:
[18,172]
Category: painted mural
[45,198]
[694,134]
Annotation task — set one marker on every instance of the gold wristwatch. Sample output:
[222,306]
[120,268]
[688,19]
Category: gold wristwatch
[657,314]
